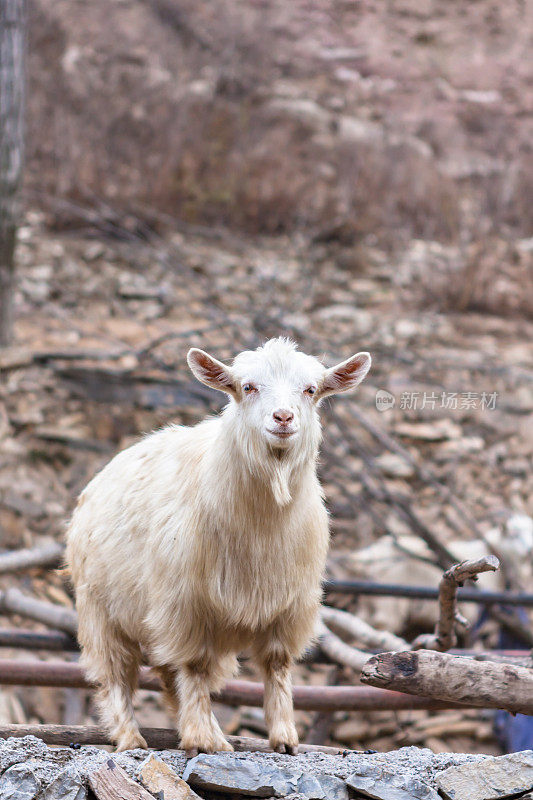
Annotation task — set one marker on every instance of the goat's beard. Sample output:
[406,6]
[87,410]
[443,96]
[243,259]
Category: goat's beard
[279,466]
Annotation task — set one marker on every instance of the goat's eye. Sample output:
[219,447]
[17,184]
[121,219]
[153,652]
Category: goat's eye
[248,388]
[310,390]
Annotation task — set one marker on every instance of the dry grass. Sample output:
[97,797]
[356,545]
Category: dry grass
[174,113]
[493,277]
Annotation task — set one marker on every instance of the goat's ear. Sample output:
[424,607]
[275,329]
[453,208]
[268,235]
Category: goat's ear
[211,372]
[345,375]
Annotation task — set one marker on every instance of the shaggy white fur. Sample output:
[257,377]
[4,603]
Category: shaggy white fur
[198,542]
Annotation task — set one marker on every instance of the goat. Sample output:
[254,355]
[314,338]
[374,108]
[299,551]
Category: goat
[198,542]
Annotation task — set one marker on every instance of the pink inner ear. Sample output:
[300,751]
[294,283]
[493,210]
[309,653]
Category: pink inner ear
[351,369]
[345,374]
[213,371]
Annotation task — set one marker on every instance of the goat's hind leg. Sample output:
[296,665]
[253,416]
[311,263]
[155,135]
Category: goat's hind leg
[169,681]
[112,661]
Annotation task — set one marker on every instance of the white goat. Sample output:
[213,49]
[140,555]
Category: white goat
[198,542]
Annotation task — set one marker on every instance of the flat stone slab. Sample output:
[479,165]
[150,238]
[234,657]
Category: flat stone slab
[492,779]
[230,773]
[383,784]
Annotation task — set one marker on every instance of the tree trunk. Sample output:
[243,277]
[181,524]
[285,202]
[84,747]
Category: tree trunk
[12,46]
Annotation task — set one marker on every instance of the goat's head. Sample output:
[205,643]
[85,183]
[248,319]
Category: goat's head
[276,390]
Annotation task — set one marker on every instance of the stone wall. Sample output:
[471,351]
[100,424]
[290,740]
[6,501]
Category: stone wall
[30,769]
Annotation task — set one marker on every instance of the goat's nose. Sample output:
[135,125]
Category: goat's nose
[283,416]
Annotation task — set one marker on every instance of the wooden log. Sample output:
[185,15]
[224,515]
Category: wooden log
[484,684]
[110,782]
[235,693]
[13,601]
[157,738]
[47,555]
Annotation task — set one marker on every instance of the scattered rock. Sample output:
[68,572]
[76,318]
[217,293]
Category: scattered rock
[493,778]
[304,110]
[483,98]
[19,783]
[457,448]
[16,751]
[15,357]
[342,53]
[160,780]
[382,784]
[519,467]
[430,431]
[394,466]
[68,785]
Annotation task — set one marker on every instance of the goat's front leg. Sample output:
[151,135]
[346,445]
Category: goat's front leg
[275,661]
[199,729]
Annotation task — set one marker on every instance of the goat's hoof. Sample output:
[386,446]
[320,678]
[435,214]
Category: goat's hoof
[284,738]
[131,741]
[289,749]
[215,744]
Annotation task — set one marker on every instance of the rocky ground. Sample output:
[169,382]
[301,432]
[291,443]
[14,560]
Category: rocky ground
[29,769]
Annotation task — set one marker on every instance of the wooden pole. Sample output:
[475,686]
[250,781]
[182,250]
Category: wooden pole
[480,596]
[482,684]
[17,638]
[235,693]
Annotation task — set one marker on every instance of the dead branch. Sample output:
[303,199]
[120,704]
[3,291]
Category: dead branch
[47,555]
[444,636]
[13,601]
[484,684]
[361,631]
[339,651]
[157,738]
